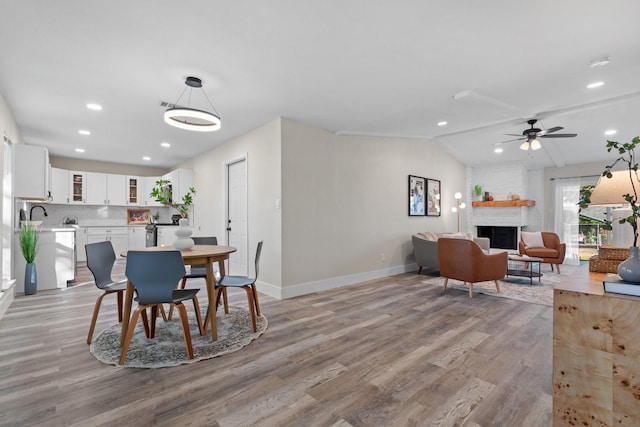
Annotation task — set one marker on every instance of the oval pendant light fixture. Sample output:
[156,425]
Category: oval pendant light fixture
[190,118]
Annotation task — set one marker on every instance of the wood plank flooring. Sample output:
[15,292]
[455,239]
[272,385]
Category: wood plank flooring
[390,352]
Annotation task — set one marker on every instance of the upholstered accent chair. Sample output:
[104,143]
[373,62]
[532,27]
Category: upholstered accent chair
[549,249]
[464,260]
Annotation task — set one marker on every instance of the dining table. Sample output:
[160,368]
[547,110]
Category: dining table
[197,255]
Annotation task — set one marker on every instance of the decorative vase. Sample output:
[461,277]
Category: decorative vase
[629,269]
[183,234]
[30,279]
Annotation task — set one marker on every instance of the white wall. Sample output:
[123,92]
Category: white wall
[345,209]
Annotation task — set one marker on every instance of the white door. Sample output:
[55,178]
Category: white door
[237,217]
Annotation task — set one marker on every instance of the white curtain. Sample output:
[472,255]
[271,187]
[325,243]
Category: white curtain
[567,192]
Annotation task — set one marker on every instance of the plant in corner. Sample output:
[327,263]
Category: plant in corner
[162,194]
[630,268]
[28,244]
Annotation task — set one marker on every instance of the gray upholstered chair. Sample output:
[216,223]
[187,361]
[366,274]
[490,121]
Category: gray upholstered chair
[154,275]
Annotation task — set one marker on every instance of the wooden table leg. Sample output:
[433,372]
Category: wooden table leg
[126,313]
[211,295]
[224,289]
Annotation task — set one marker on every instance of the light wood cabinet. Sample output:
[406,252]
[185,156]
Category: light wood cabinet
[596,354]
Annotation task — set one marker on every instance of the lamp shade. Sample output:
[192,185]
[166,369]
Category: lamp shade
[611,191]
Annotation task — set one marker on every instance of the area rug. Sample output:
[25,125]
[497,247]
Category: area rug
[168,348]
[517,288]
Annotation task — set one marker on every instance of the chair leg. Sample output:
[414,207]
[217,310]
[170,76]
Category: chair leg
[154,316]
[96,310]
[120,296]
[145,323]
[252,307]
[497,285]
[196,307]
[557,268]
[182,284]
[420,270]
[470,290]
[225,300]
[185,329]
[129,336]
[255,299]
[446,280]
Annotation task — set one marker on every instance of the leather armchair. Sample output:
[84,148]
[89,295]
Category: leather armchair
[552,253]
[425,251]
[464,260]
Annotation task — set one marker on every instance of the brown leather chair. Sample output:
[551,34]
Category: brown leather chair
[552,253]
[463,260]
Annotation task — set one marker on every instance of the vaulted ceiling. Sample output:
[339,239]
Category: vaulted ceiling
[360,67]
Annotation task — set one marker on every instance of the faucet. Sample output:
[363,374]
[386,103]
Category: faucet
[36,206]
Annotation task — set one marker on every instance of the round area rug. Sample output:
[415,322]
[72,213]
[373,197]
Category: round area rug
[168,348]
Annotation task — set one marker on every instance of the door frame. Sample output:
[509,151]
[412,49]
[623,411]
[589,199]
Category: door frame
[242,157]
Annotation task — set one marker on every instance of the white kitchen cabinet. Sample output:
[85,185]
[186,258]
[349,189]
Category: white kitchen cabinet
[106,189]
[30,172]
[59,185]
[137,237]
[134,190]
[81,240]
[77,187]
[166,235]
[118,236]
[148,182]
[181,180]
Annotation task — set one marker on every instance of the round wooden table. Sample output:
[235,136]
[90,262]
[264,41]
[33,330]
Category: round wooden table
[199,254]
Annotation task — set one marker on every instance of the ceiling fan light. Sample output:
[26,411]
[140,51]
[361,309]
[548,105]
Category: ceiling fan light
[524,146]
[535,145]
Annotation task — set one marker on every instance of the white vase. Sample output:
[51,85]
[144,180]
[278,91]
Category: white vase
[183,234]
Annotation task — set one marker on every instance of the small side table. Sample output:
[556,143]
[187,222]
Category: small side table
[524,266]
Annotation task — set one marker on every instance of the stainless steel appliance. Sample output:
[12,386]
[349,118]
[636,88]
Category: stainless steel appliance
[151,235]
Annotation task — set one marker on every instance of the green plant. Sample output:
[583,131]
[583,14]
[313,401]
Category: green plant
[628,156]
[29,242]
[162,194]
[477,189]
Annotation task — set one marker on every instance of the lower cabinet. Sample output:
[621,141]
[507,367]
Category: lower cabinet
[166,235]
[137,237]
[81,240]
[118,236]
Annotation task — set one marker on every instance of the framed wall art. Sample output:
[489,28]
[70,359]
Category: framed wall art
[138,216]
[417,189]
[433,197]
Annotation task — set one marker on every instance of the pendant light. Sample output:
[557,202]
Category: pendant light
[190,118]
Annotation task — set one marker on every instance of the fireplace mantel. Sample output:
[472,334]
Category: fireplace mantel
[504,203]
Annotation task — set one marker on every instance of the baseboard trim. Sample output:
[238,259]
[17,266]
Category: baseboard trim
[331,283]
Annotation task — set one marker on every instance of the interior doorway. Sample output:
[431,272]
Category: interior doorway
[237,216]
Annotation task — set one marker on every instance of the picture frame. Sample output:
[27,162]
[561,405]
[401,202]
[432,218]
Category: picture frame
[433,197]
[416,195]
[138,216]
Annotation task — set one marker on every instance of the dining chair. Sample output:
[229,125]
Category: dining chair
[199,271]
[100,260]
[246,283]
[154,275]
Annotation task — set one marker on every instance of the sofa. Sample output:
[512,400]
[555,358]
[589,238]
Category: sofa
[425,248]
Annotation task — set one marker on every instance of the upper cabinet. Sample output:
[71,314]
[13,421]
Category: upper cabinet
[30,172]
[181,180]
[59,185]
[106,189]
[148,182]
[77,187]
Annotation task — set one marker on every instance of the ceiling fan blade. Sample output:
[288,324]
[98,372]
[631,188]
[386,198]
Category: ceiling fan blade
[513,134]
[550,130]
[511,140]
[560,135]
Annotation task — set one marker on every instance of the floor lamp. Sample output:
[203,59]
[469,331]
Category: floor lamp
[459,206]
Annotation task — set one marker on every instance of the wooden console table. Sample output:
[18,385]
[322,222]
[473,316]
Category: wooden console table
[596,354]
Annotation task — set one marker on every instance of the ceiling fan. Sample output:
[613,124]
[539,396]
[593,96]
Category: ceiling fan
[530,136]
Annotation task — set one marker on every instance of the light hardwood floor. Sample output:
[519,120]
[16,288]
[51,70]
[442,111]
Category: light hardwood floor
[390,352]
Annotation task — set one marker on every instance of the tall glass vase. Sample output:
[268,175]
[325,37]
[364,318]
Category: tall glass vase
[30,279]
[629,269]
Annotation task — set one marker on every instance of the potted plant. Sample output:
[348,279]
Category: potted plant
[629,269]
[478,190]
[162,194]
[28,244]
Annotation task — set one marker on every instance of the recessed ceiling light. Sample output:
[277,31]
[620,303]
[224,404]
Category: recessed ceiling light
[594,85]
[94,107]
[610,132]
[79,150]
[498,150]
[84,132]
[146,158]
[165,144]
[442,123]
